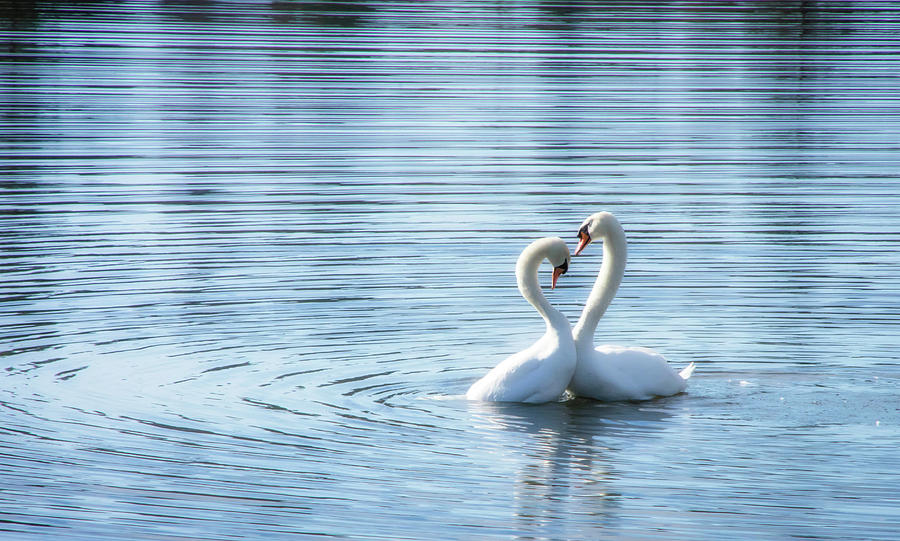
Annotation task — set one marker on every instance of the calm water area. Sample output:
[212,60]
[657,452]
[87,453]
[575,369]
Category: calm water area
[252,254]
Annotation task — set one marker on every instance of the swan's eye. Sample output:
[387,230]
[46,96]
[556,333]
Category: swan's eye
[564,267]
[583,232]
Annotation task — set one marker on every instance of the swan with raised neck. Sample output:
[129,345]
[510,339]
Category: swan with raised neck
[541,372]
[611,372]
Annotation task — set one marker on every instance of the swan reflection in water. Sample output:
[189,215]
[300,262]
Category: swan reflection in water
[567,465]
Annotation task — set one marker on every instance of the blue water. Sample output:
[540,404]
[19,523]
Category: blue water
[254,253]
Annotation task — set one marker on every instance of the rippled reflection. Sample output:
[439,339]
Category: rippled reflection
[254,253]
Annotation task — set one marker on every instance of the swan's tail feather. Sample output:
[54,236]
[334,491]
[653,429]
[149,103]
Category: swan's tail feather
[686,373]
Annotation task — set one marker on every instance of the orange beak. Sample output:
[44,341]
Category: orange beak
[557,272]
[584,238]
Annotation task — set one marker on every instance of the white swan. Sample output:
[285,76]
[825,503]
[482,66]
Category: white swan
[615,372]
[541,372]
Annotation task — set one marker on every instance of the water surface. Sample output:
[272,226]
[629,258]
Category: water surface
[254,253]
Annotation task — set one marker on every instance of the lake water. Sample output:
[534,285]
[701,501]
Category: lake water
[254,253]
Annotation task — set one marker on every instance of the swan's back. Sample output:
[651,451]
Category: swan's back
[612,373]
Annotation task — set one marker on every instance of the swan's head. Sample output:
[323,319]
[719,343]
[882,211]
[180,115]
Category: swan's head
[595,227]
[553,249]
[559,256]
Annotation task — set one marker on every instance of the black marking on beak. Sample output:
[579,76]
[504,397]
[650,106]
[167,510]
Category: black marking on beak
[584,238]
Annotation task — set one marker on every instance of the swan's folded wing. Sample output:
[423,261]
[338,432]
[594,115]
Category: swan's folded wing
[615,372]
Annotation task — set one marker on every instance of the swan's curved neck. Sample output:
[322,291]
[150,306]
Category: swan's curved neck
[604,290]
[527,277]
